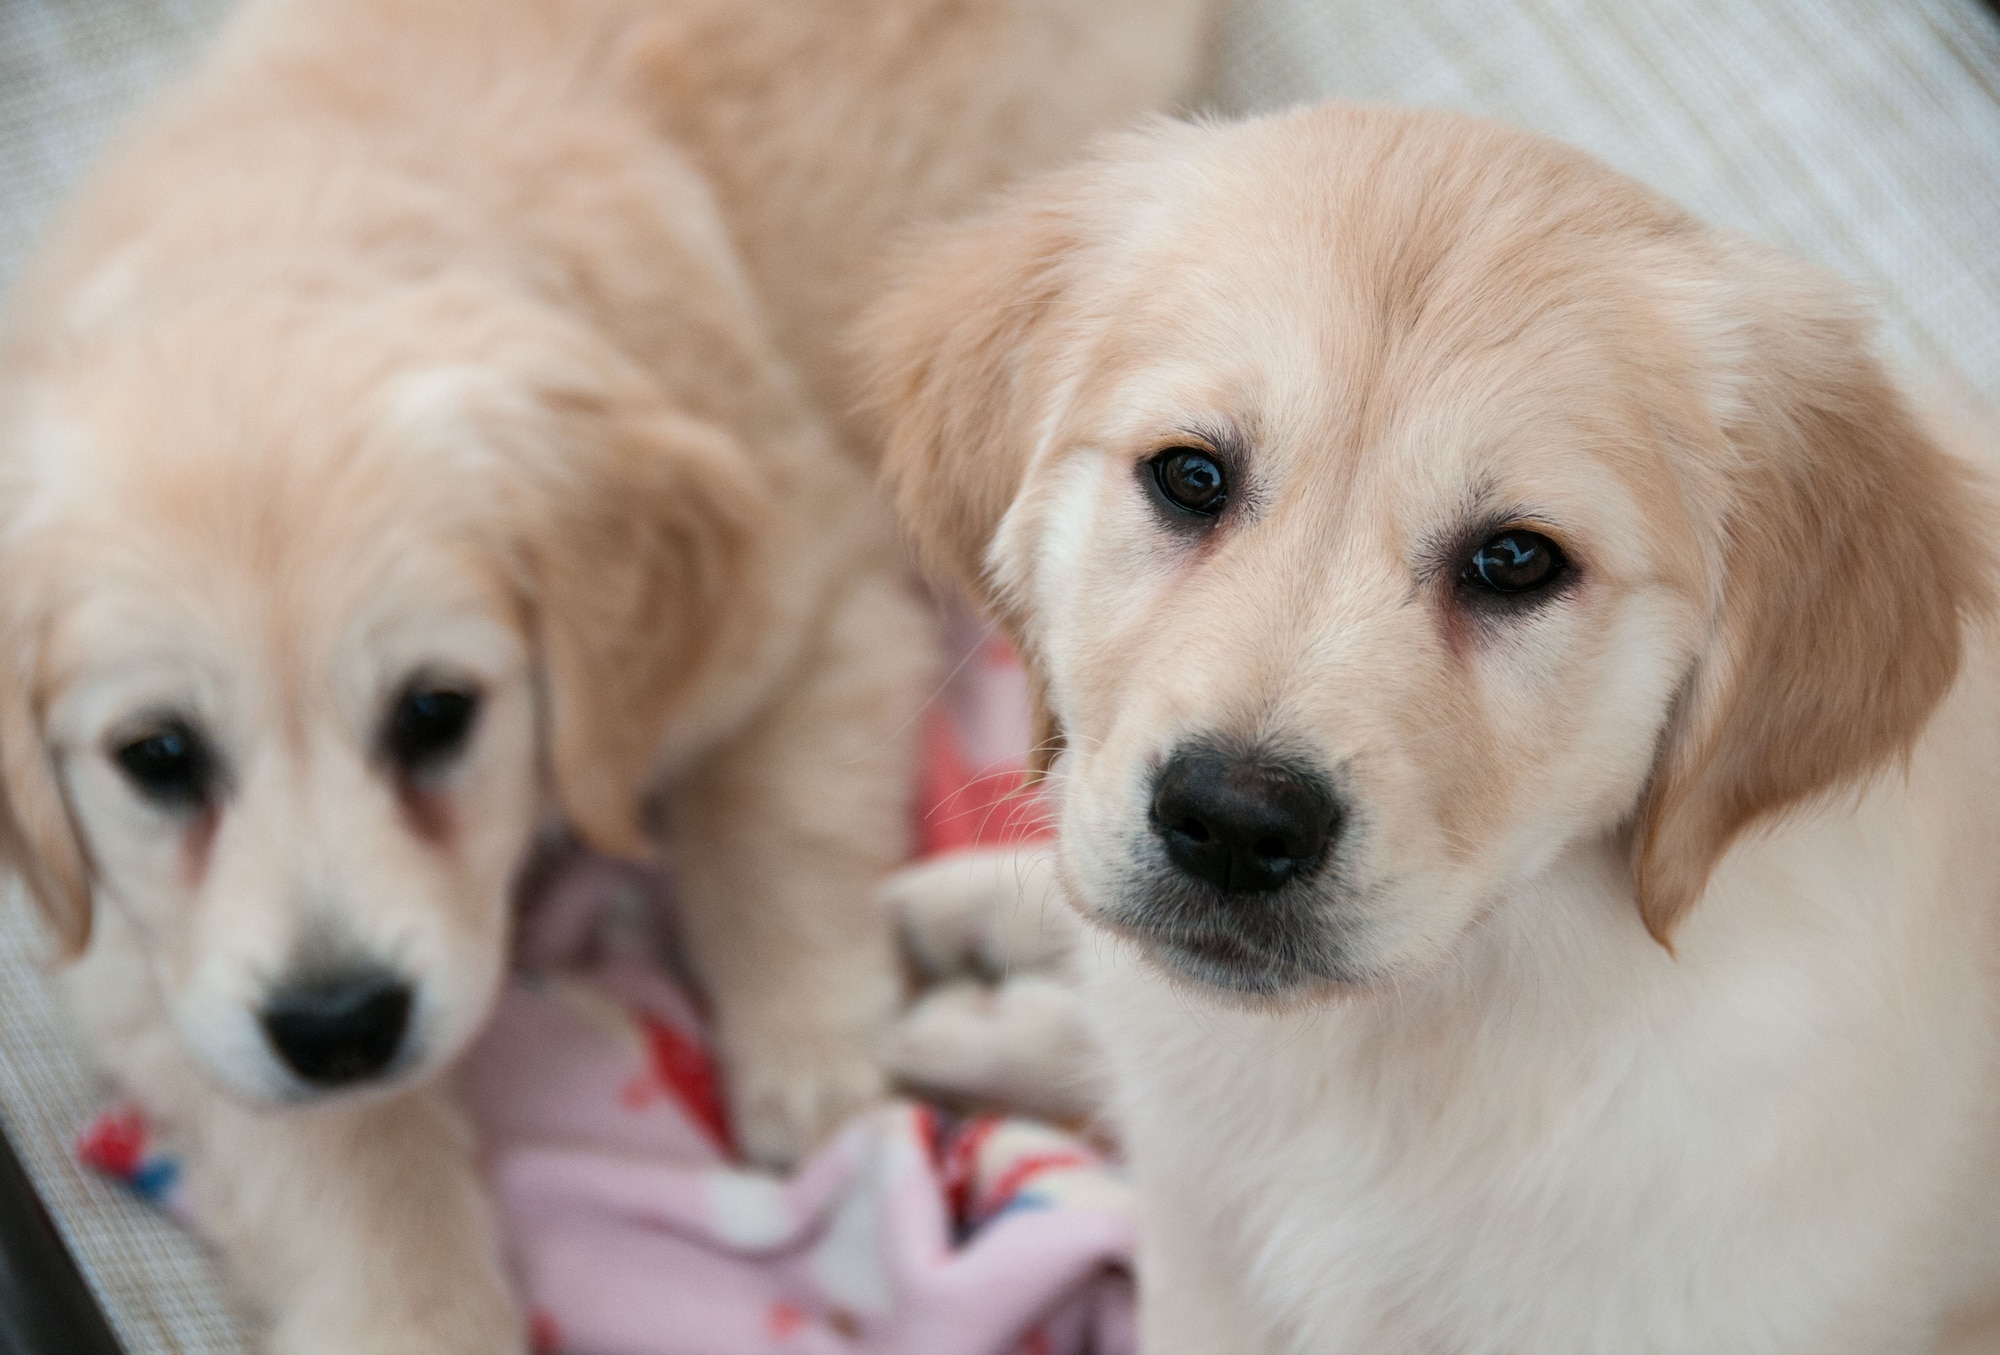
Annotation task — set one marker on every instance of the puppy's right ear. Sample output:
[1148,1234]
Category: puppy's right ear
[37,835]
[1853,553]
[958,361]
[637,544]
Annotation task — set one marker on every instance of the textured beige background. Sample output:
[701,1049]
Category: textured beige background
[1862,133]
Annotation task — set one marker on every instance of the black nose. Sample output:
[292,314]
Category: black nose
[1244,824]
[332,1030]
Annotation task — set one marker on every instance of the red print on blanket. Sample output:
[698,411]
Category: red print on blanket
[679,1067]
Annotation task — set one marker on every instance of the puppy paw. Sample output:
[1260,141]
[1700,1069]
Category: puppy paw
[988,912]
[1024,1046]
[785,1102]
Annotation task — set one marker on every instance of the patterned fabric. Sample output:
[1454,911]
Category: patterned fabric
[1861,134]
[909,1235]
[120,1144]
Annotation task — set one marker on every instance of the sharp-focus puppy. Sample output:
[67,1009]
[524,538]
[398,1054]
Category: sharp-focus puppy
[411,433]
[1533,718]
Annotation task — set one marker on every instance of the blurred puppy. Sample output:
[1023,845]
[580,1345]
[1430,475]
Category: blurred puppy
[406,439]
[1532,716]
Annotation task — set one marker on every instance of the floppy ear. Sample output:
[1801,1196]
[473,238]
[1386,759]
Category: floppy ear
[1852,553]
[958,360]
[36,832]
[636,564]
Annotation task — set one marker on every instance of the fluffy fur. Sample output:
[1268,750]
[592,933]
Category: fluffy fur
[1647,998]
[425,345]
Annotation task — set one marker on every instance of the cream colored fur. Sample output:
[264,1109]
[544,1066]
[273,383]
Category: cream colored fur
[1650,999]
[490,344]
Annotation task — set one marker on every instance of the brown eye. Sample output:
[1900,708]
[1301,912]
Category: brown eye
[1191,479]
[171,766]
[429,726]
[1515,561]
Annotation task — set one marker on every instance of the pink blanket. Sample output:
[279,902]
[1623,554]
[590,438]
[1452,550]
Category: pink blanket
[633,1234]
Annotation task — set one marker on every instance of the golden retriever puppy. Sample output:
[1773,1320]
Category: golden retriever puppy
[1532,715]
[408,441]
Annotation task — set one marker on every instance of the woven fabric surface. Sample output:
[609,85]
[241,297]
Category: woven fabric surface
[70,72]
[1863,135]
[159,1287]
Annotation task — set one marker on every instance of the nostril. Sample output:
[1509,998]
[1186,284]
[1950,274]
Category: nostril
[336,1030]
[1273,848]
[1193,829]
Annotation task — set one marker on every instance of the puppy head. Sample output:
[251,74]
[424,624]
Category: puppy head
[1387,502]
[306,600]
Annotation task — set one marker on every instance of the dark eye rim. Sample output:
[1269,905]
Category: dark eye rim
[1477,591]
[1153,472]
[418,758]
[197,790]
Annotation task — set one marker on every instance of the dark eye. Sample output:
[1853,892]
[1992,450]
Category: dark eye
[170,766]
[1191,479]
[1515,561]
[429,726]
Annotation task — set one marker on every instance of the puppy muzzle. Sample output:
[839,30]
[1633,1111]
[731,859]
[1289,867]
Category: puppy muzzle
[1232,890]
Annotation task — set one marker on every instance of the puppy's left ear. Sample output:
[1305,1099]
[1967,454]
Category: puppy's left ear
[637,547]
[958,363]
[1852,552]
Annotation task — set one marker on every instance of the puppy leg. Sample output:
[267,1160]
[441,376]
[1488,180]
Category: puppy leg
[1024,1046]
[782,841]
[1019,1037]
[993,912]
[357,1229]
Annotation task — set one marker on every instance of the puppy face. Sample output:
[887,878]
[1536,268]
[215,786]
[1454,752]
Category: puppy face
[1388,503]
[308,806]
[296,661]
[1336,673]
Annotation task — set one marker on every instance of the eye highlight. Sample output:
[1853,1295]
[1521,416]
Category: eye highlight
[429,726]
[170,766]
[1514,562]
[1192,480]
